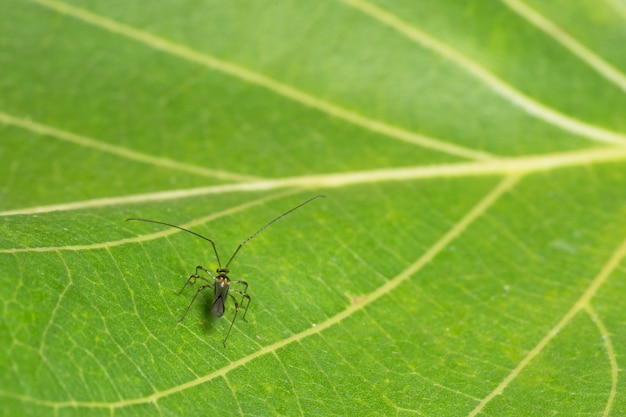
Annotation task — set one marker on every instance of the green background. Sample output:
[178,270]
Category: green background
[468,259]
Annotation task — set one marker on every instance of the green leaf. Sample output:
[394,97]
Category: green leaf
[468,259]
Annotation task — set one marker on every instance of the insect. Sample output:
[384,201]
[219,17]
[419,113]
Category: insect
[220,282]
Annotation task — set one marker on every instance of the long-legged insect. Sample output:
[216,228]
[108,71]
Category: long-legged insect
[221,282]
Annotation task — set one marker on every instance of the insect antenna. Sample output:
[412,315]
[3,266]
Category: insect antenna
[253,235]
[184,230]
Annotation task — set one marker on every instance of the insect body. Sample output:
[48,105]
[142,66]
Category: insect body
[220,282]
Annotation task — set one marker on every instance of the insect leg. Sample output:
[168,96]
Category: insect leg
[244,283]
[192,278]
[200,289]
[243,295]
[234,317]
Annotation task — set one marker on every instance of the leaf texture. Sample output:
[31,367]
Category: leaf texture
[468,259]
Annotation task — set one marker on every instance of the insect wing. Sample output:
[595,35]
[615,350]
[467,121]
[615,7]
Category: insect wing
[221,292]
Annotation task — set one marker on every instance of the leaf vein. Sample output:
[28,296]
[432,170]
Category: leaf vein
[46,130]
[457,229]
[237,71]
[610,350]
[594,61]
[508,92]
[500,166]
[581,303]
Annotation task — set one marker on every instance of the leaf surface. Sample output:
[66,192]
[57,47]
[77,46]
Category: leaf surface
[468,259]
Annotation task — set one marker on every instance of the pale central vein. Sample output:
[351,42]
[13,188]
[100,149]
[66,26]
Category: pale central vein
[501,166]
[500,87]
[479,209]
[582,303]
[252,77]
